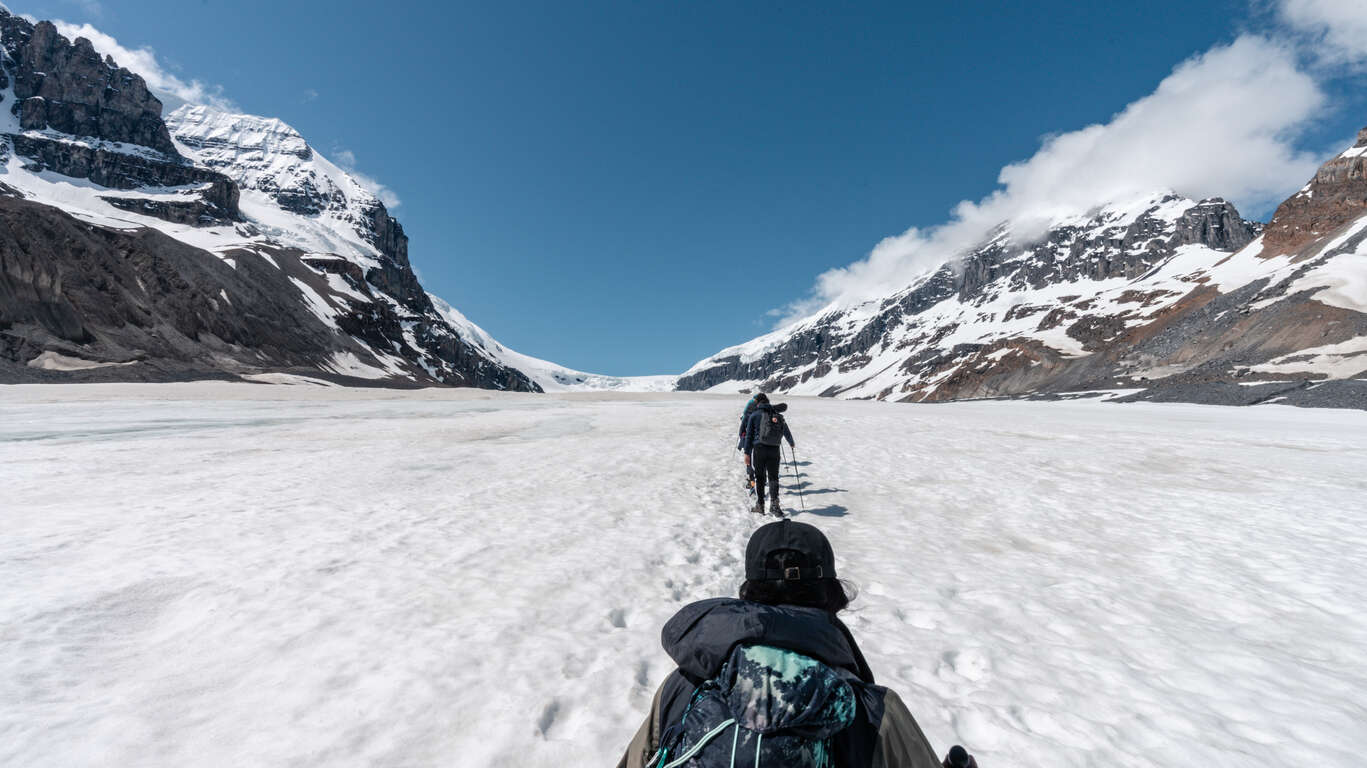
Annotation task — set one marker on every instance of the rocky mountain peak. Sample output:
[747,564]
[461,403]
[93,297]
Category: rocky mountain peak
[1336,196]
[268,156]
[1215,223]
[66,86]
[246,138]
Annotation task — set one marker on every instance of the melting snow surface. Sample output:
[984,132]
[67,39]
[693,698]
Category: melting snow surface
[310,576]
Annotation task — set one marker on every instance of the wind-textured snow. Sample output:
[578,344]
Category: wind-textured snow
[233,574]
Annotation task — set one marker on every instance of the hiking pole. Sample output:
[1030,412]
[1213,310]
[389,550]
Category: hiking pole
[800,497]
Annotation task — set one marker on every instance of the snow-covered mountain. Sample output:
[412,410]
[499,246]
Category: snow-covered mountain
[204,243]
[1173,298]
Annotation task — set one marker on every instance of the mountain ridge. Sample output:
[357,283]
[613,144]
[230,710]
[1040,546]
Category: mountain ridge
[120,222]
[86,138]
[1150,298]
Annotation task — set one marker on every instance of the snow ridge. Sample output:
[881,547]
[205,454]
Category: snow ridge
[1081,303]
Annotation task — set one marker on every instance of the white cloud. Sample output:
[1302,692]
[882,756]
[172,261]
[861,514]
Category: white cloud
[91,7]
[1337,28]
[310,95]
[346,159]
[172,90]
[1221,124]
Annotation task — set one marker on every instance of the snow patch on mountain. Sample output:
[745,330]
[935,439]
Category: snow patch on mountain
[295,195]
[1122,294]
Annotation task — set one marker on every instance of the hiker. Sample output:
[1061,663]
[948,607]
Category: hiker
[958,757]
[740,443]
[745,417]
[775,678]
[764,431]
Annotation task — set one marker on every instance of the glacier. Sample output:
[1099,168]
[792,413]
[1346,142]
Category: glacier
[225,574]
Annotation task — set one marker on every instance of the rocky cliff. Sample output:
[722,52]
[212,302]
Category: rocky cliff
[1336,196]
[67,87]
[230,248]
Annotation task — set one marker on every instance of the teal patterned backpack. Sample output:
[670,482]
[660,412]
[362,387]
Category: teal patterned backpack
[768,707]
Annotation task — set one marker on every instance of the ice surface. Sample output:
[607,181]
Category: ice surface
[220,575]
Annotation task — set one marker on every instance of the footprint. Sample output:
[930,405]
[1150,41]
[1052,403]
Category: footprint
[547,719]
[618,618]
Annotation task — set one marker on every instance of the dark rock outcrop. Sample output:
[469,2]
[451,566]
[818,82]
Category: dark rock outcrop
[1214,223]
[122,170]
[1091,250]
[197,213]
[140,305]
[110,296]
[68,87]
[114,134]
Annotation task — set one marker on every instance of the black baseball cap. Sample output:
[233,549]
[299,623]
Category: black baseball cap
[786,535]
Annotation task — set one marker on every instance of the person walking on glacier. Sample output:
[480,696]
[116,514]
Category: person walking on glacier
[765,431]
[775,678]
[740,443]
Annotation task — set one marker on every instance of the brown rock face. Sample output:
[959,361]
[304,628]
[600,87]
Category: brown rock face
[1336,196]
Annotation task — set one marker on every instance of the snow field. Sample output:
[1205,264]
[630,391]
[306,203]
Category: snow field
[248,575]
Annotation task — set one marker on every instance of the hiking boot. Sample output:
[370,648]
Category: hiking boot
[774,507]
[759,506]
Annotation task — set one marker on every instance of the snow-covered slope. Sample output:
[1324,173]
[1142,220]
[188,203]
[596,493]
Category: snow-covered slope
[317,277]
[1176,297]
[551,377]
[294,195]
[341,577]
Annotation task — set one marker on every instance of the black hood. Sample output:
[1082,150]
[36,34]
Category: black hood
[701,636]
[775,407]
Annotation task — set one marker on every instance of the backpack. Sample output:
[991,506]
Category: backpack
[745,417]
[770,428]
[767,707]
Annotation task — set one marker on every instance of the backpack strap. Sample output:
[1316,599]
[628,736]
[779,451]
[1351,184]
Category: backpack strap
[675,731]
[707,737]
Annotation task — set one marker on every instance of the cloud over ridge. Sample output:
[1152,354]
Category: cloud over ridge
[1223,123]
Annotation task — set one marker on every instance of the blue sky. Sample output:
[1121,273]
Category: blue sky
[626,188]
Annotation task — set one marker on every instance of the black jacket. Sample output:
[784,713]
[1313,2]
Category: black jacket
[763,411]
[701,637]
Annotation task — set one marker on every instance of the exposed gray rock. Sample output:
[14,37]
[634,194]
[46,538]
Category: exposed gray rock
[142,306]
[163,311]
[197,213]
[1092,251]
[1190,342]
[68,87]
[122,170]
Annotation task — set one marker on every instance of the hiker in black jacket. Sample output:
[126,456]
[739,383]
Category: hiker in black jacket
[763,434]
[740,442]
[775,678]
